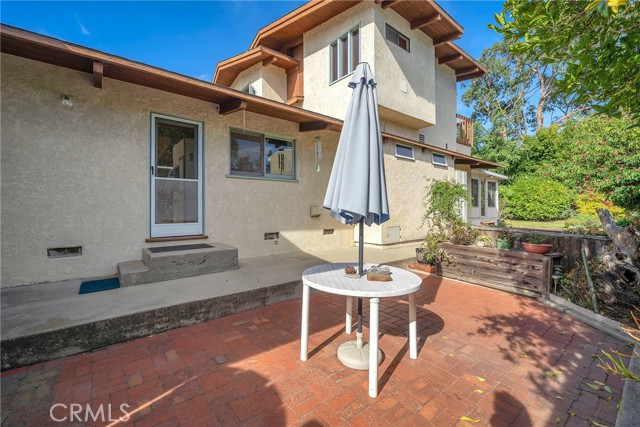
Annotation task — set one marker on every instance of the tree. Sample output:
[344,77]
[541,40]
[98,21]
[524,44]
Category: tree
[598,51]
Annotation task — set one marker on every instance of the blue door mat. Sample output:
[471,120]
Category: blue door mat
[99,285]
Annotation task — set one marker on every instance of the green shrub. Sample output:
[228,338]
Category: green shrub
[536,199]
[589,203]
[442,201]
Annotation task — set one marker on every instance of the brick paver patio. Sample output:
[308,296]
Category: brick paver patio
[492,357]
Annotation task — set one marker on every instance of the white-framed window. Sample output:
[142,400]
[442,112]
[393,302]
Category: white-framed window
[344,54]
[438,159]
[475,193]
[404,152]
[249,88]
[258,155]
[492,193]
[397,38]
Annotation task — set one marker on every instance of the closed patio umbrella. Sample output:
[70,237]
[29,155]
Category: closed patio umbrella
[357,191]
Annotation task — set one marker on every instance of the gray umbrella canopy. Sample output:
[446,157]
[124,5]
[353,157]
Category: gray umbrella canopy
[357,188]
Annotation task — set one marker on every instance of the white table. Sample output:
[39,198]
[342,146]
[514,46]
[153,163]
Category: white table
[331,278]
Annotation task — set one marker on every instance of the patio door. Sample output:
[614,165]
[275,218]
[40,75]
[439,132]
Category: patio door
[176,177]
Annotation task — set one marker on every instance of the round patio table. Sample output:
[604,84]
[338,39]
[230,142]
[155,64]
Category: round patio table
[331,278]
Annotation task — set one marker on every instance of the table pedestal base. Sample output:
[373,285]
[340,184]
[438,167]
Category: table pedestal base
[356,358]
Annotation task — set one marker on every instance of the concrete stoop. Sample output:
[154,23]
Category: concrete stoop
[182,261]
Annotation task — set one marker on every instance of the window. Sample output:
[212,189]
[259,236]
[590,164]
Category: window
[439,159]
[256,155]
[491,194]
[397,38]
[475,193]
[344,54]
[249,89]
[404,151]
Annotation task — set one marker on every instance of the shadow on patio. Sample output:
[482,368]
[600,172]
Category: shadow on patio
[494,358]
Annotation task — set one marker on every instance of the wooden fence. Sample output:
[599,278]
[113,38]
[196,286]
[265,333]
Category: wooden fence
[516,272]
[569,245]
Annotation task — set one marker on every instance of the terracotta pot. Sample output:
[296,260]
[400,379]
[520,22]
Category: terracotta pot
[536,248]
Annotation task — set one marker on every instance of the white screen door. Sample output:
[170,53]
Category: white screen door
[176,177]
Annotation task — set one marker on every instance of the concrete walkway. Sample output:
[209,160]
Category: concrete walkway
[485,358]
[51,320]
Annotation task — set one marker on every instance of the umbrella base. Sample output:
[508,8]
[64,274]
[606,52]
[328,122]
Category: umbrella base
[356,358]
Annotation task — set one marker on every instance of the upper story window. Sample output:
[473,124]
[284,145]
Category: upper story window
[344,54]
[256,155]
[404,152]
[397,38]
[249,88]
[438,159]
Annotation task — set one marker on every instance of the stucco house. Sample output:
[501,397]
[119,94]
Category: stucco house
[103,156]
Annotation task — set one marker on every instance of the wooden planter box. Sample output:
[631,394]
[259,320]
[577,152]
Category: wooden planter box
[516,272]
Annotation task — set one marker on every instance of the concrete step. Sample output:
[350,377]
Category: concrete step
[176,262]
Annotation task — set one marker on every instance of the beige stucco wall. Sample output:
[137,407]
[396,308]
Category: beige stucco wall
[251,75]
[274,83]
[396,69]
[444,133]
[319,95]
[80,177]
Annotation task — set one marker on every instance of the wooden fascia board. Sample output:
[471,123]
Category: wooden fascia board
[98,72]
[298,13]
[468,70]
[252,57]
[426,21]
[391,3]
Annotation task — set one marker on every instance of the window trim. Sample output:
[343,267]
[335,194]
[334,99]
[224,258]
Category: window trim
[492,194]
[350,65]
[264,176]
[433,160]
[249,88]
[475,203]
[403,156]
[400,35]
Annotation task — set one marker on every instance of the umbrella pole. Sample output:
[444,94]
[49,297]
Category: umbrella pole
[359,334]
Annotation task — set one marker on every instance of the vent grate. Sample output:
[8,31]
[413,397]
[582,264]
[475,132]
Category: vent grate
[64,252]
[327,231]
[272,236]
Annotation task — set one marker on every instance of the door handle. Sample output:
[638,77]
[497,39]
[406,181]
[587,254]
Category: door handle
[152,171]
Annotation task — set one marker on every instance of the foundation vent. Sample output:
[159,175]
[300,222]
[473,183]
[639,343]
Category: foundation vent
[64,252]
[272,236]
[327,231]
[421,138]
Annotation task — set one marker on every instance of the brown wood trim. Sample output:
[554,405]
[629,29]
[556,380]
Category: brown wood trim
[447,38]
[232,106]
[469,70]
[469,76]
[98,72]
[175,238]
[295,100]
[314,126]
[426,21]
[450,58]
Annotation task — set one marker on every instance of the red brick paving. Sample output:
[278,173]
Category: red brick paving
[498,359]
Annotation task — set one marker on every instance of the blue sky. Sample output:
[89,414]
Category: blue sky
[191,37]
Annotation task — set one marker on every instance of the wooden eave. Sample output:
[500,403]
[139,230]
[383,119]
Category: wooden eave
[228,70]
[426,15]
[25,44]
[459,159]
[294,24]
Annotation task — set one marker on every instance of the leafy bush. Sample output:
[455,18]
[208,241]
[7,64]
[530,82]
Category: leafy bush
[484,241]
[536,199]
[431,254]
[535,239]
[588,203]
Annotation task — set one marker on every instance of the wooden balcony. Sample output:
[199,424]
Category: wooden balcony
[464,134]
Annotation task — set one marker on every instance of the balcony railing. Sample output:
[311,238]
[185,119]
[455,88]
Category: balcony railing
[464,130]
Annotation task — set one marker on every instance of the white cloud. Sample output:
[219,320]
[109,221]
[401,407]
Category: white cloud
[83,29]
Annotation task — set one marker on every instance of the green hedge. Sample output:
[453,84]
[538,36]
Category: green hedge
[536,199]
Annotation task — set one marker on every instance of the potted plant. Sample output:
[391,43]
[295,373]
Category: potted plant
[504,241]
[484,242]
[430,255]
[534,244]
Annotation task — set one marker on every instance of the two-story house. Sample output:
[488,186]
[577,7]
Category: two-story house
[103,156]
